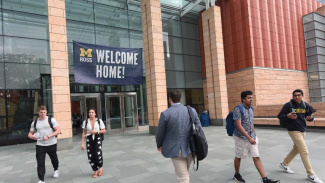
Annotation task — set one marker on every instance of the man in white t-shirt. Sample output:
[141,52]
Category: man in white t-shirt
[46,142]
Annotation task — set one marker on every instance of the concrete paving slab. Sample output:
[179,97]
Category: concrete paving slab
[132,158]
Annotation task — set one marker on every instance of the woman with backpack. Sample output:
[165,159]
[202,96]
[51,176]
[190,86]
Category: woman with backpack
[92,130]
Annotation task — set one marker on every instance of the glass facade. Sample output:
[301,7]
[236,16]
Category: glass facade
[23,62]
[314,27]
[182,56]
[110,23]
[25,71]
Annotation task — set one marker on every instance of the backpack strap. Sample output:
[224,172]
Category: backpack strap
[50,123]
[35,130]
[240,109]
[99,124]
[86,123]
[193,150]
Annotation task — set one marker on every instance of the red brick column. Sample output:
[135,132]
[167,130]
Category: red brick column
[154,61]
[216,86]
[60,71]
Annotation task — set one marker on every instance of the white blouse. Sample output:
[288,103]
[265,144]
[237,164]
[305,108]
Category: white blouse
[96,126]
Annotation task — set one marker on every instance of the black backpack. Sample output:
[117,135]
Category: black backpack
[284,122]
[50,123]
[198,142]
[101,135]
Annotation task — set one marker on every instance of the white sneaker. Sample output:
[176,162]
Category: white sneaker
[286,168]
[41,181]
[314,178]
[56,174]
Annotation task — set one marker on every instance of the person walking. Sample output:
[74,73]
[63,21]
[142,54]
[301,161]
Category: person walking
[296,113]
[92,128]
[45,129]
[246,141]
[173,134]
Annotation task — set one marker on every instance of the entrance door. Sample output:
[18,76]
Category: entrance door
[81,103]
[121,111]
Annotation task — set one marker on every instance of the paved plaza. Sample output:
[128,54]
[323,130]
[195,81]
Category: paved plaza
[133,158]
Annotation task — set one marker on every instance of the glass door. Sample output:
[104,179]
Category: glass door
[81,102]
[121,111]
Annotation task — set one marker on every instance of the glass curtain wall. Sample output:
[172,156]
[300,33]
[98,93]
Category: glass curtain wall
[110,23]
[182,56]
[24,50]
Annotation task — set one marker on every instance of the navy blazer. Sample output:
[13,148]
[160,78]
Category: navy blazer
[174,130]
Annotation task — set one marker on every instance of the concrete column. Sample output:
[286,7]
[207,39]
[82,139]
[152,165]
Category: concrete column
[154,61]
[216,85]
[60,71]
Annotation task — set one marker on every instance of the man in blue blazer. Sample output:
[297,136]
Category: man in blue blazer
[173,135]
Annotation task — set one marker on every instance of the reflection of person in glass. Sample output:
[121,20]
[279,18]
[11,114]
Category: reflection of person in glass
[76,119]
[91,131]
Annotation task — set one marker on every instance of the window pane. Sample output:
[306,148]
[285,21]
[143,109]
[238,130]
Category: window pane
[193,80]
[172,44]
[190,19]
[30,6]
[190,31]
[112,36]
[70,54]
[171,27]
[26,50]
[79,10]
[1,49]
[22,76]
[45,69]
[25,25]
[1,33]
[134,6]
[175,79]
[2,77]
[191,47]
[79,31]
[135,20]
[136,39]
[115,3]
[192,63]
[107,15]
[174,62]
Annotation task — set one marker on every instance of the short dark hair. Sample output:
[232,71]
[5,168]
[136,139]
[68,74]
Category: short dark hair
[298,90]
[175,95]
[41,108]
[244,94]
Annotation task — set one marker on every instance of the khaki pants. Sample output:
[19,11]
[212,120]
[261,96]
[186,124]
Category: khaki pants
[299,146]
[182,166]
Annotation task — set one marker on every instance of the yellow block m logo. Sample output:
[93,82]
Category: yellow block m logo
[83,52]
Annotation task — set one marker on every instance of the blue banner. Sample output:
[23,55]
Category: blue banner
[96,64]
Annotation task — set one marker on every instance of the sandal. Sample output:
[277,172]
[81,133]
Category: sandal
[95,174]
[100,172]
